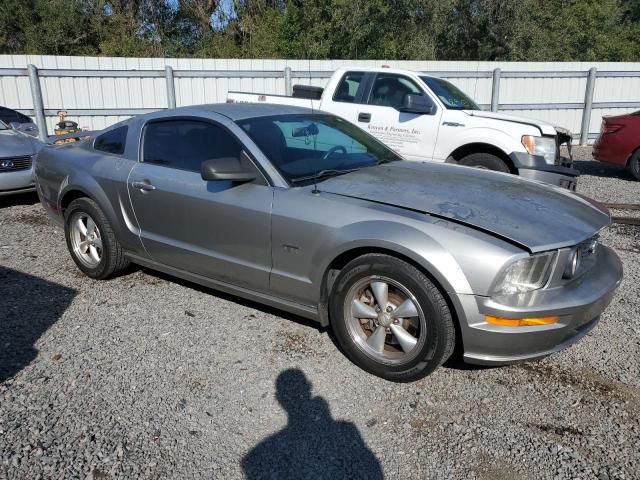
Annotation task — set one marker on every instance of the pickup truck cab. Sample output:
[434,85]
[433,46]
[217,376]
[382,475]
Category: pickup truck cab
[425,118]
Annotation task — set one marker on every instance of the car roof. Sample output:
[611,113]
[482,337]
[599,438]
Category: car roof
[233,111]
[240,111]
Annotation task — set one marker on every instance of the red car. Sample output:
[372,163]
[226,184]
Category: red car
[619,142]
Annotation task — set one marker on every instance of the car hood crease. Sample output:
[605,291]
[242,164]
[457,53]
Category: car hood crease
[527,213]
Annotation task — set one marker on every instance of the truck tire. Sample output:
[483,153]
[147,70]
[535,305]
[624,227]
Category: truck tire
[487,161]
[634,164]
[390,319]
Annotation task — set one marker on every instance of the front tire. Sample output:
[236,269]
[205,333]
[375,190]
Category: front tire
[390,319]
[486,161]
[634,165]
[91,240]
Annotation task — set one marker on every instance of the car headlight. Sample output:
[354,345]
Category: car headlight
[543,146]
[582,257]
[526,274]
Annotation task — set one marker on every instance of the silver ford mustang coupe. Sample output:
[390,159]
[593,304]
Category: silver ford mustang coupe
[305,212]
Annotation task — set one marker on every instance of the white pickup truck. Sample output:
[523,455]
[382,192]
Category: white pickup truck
[425,118]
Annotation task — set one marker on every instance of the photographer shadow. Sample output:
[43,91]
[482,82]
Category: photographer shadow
[28,307]
[313,444]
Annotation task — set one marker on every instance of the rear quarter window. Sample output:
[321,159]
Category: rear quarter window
[112,141]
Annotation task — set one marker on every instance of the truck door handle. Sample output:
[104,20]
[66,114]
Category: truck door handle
[364,117]
[146,186]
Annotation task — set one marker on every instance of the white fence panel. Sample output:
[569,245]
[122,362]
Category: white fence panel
[98,100]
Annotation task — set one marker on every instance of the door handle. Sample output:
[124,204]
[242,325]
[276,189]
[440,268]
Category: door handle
[146,186]
[364,117]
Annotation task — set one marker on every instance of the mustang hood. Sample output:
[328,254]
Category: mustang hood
[13,144]
[535,216]
[545,128]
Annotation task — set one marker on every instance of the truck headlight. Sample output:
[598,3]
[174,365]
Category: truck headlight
[526,274]
[543,146]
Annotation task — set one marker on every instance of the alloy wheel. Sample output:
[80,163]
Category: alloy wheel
[384,319]
[86,239]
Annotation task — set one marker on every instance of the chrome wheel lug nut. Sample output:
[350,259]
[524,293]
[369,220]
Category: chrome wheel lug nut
[389,309]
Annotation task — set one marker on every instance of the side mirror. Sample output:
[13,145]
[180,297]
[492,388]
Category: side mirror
[226,168]
[418,104]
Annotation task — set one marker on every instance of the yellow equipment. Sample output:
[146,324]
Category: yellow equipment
[65,126]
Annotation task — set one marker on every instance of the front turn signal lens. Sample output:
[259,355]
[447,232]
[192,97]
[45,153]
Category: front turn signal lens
[521,322]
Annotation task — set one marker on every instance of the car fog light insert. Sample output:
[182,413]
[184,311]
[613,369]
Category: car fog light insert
[521,322]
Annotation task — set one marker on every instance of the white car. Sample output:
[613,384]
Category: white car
[425,118]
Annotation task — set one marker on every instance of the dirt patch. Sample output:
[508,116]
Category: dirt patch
[559,430]
[33,218]
[587,381]
[294,344]
[490,468]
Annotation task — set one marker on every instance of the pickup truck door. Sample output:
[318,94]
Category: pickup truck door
[347,95]
[412,135]
[217,229]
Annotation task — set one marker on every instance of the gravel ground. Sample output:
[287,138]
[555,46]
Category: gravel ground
[146,376]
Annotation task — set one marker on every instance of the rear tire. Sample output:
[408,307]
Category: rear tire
[409,336]
[487,161]
[91,240]
[634,165]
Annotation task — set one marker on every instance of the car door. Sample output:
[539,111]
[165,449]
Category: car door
[412,135]
[218,229]
[348,93]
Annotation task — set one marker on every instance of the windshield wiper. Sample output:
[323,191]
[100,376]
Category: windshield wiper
[331,172]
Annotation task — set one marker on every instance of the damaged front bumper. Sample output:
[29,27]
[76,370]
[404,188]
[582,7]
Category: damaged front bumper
[534,167]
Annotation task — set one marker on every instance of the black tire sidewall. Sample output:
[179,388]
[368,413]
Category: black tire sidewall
[83,205]
[485,160]
[634,165]
[433,346]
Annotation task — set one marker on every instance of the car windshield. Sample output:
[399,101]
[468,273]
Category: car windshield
[452,97]
[3,126]
[311,147]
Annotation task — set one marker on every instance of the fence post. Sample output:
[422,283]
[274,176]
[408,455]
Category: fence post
[495,90]
[288,88]
[38,107]
[588,102]
[171,88]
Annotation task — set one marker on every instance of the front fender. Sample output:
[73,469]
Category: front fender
[399,239]
[506,142]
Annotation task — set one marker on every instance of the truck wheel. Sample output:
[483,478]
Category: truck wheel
[390,319]
[486,161]
[634,165]
[91,241]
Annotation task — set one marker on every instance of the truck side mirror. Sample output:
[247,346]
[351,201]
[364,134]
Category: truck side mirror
[418,104]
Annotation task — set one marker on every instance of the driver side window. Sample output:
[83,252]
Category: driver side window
[389,90]
[184,144]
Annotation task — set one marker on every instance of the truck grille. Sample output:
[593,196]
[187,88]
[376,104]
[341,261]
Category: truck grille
[12,164]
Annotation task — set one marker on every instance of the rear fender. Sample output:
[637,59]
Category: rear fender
[124,226]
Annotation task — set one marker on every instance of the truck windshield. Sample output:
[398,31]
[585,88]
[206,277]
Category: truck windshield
[312,147]
[452,97]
